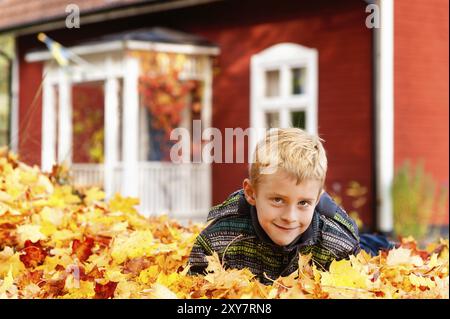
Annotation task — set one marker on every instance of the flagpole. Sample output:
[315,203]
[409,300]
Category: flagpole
[55,46]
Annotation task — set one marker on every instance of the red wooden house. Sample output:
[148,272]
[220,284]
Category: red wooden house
[377,96]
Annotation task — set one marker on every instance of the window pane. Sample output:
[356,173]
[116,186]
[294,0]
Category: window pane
[298,119]
[272,83]
[272,119]
[298,80]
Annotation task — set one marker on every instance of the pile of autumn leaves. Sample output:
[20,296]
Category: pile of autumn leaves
[61,242]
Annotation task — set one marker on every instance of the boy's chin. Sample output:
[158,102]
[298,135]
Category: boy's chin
[284,241]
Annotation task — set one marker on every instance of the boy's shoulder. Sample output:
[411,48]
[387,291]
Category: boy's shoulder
[338,231]
[230,218]
[234,205]
[332,214]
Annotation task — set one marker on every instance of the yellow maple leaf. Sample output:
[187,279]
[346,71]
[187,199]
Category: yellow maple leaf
[149,275]
[7,283]
[214,264]
[30,232]
[433,262]
[342,274]
[31,291]
[79,289]
[137,244]
[53,216]
[14,190]
[48,229]
[63,235]
[94,194]
[159,291]
[127,289]
[420,281]
[5,197]
[27,175]
[63,196]
[123,204]
[168,280]
[226,279]
[10,260]
[115,275]
[399,256]
[45,184]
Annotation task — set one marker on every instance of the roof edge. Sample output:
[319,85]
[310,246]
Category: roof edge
[109,13]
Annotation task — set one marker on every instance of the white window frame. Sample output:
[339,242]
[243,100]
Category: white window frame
[283,57]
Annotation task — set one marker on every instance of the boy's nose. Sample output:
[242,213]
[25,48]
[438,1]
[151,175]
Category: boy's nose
[289,216]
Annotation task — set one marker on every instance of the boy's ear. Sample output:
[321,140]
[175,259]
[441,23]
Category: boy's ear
[320,195]
[249,192]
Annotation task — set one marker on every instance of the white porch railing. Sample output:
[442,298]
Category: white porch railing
[88,174]
[181,190]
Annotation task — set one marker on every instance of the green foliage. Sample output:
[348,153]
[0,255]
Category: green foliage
[6,52]
[7,48]
[414,200]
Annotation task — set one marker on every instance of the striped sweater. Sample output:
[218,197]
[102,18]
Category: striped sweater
[238,238]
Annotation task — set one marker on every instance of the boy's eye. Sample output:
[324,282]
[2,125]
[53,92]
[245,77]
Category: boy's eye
[303,203]
[277,200]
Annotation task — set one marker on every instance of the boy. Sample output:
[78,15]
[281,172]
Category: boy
[281,212]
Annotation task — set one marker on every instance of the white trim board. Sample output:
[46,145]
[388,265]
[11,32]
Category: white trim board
[108,47]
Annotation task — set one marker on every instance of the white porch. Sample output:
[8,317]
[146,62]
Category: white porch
[181,190]
[177,189]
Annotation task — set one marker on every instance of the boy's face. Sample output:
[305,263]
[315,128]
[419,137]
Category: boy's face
[284,208]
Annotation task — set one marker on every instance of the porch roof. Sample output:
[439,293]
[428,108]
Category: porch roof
[151,39]
[155,34]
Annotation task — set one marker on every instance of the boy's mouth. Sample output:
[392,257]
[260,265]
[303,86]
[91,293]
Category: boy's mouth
[286,228]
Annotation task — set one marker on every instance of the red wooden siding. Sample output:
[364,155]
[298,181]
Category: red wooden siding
[421,86]
[30,111]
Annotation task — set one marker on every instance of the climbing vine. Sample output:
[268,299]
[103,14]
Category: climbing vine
[163,92]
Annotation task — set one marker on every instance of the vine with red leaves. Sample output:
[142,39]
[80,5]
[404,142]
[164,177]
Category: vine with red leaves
[162,91]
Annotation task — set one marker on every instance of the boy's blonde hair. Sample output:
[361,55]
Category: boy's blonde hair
[300,154]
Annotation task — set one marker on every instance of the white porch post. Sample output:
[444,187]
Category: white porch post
[111,133]
[384,59]
[14,135]
[206,114]
[312,120]
[206,117]
[48,156]
[65,119]
[130,128]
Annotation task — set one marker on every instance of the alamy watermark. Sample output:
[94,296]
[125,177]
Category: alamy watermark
[73,17]
[217,148]
[373,19]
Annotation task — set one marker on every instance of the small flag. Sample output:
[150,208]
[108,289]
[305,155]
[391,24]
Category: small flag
[58,51]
